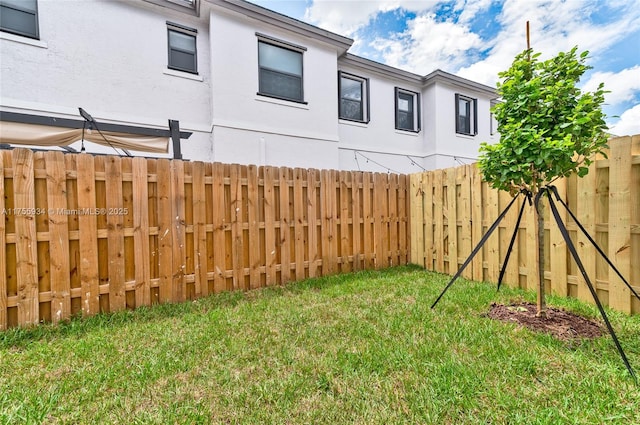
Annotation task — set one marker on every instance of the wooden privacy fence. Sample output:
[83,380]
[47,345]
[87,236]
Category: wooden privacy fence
[84,234]
[451,209]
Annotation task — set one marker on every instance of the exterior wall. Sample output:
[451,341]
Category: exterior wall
[256,122]
[378,139]
[109,58]
[458,148]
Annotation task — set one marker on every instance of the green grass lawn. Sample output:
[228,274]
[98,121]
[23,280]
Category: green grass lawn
[361,348]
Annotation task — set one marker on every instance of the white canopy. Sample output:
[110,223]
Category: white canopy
[43,135]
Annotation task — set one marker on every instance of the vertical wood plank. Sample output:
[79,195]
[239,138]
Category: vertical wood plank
[88,231]
[356,190]
[452,220]
[237,244]
[367,218]
[141,231]
[58,237]
[285,229]
[464,178]
[165,223]
[343,221]
[531,243]
[115,233]
[558,246]
[476,221]
[620,222]
[3,246]
[585,212]
[415,212]
[253,216]
[493,246]
[178,238]
[328,232]
[428,218]
[503,233]
[218,214]
[438,218]
[270,175]
[200,229]
[26,241]
[379,220]
[298,208]
[404,236]
[392,217]
[312,219]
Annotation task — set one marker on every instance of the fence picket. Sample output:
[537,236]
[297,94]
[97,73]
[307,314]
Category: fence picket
[88,234]
[141,232]
[58,237]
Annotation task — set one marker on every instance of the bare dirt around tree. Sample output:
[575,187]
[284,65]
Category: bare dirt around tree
[564,325]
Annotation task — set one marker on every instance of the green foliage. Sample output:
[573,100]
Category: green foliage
[548,127]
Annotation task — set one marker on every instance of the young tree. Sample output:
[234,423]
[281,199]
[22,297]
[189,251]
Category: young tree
[548,129]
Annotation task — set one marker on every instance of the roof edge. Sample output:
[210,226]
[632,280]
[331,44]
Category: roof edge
[442,76]
[380,68]
[285,22]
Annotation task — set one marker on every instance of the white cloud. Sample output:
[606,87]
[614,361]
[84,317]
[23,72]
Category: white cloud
[628,124]
[623,85]
[346,17]
[554,26]
[428,44]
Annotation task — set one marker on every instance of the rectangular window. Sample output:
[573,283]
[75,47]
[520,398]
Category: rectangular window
[407,110]
[280,71]
[19,17]
[466,115]
[182,48]
[354,97]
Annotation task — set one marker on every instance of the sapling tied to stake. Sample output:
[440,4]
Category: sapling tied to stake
[549,128]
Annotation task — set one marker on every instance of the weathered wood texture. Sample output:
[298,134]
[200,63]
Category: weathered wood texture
[81,234]
[451,209]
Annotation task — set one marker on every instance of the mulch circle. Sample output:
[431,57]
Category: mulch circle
[564,325]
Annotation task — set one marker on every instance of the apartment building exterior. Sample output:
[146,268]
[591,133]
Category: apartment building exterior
[252,86]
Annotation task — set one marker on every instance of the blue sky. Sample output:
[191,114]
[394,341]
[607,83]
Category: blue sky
[476,39]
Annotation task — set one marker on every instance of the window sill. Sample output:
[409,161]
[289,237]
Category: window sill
[23,40]
[362,124]
[275,100]
[408,132]
[188,76]
[465,136]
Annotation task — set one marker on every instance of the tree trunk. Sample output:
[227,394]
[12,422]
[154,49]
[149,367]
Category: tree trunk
[542,305]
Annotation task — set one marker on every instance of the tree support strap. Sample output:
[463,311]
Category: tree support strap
[572,249]
[513,239]
[476,249]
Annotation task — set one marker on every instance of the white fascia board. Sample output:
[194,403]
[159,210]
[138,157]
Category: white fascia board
[285,22]
[379,68]
[439,76]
